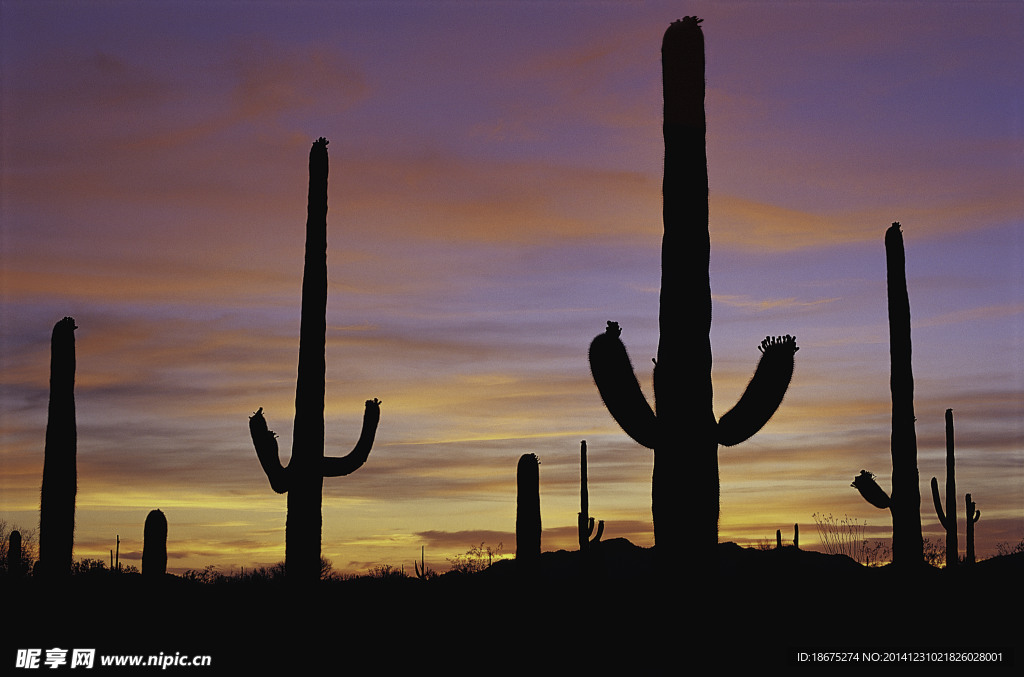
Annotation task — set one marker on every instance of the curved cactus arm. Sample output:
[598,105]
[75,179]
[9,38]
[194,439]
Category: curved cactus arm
[938,503]
[615,380]
[764,393]
[600,531]
[869,489]
[265,442]
[334,466]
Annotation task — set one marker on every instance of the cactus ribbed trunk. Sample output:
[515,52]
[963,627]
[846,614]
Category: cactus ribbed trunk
[528,527]
[154,544]
[907,541]
[686,444]
[60,474]
[303,478]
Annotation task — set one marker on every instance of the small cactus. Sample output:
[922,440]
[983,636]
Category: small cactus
[303,478]
[796,537]
[528,527]
[948,522]
[154,544]
[15,562]
[584,522]
[973,515]
[60,473]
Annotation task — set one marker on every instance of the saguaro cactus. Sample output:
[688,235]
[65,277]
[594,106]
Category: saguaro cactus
[528,526]
[948,522]
[584,522]
[154,544]
[973,515]
[15,565]
[60,473]
[303,478]
[684,433]
[905,502]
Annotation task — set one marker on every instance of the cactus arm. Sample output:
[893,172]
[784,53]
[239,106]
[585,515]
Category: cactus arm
[615,380]
[334,466]
[764,393]
[265,442]
[938,504]
[600,530]
[869,489]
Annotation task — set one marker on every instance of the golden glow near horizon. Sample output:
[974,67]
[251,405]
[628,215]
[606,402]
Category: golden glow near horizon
[491,207]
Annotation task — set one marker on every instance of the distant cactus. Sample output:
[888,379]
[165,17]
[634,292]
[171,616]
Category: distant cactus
[973,515]
[15,561]
[796,537]
[948,522]
[423,572]
[584,522]
[684,433]
[154,544]
[60,474]
[528,527]
[905,501]
[303,478]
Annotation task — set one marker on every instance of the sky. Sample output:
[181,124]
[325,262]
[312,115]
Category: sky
[495,199]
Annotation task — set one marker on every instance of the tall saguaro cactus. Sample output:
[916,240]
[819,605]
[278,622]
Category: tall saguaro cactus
[905,501]
[303,478]
[584,522]
[948,521]
[684,433]
[528,527]
[154,544]
[60,473]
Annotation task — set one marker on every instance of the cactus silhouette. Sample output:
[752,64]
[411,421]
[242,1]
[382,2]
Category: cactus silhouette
[684,433]
[948,521]
[15,563]
[796,537]
[973,515]
[60,474]
[303,478]
[528,509]
[905,501]
[154,544]
[584,522]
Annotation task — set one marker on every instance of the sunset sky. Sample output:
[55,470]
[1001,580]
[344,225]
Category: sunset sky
[495,199]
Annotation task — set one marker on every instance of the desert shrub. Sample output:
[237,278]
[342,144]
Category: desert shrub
[476,559]
[1004,548]
[841,536]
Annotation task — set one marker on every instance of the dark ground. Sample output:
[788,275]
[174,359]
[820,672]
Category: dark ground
[760,610]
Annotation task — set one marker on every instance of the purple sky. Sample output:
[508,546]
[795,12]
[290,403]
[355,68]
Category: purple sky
[494,200]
